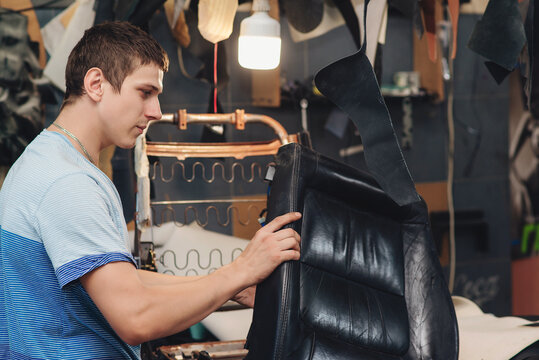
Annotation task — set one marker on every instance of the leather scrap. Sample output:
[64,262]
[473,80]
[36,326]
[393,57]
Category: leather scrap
[104,11]
[123,9]
[499,36]
[304,15]
[144,11]
[499,73]
[350,83]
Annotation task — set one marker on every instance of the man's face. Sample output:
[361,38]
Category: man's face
[126,114]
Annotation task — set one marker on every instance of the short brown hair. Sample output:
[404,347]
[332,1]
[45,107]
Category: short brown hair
[117,48]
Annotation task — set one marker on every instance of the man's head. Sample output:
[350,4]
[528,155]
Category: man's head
[117,48]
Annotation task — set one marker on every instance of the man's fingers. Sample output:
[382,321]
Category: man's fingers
[286,233]
[288,243]
[281,221]
[290,255]
[271,246]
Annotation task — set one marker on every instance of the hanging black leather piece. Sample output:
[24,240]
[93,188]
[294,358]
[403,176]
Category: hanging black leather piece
[411,9]
[351,84]
[104,11]
[303,15]
[499,73]
[499,36]
[144,11]
[346,8]
[123,9]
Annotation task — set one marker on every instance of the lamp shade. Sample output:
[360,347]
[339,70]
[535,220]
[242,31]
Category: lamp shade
[259,45]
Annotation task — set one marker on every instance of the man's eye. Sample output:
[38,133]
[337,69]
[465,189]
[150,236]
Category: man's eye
[146,93]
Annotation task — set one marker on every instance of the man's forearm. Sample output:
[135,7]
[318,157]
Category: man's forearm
[140,312]
[190,300]
[150,278]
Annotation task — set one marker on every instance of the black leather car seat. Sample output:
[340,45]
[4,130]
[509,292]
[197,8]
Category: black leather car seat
[368,284]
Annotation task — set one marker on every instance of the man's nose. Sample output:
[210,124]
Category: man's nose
[153,110]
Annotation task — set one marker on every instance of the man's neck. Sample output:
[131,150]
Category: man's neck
[80,120]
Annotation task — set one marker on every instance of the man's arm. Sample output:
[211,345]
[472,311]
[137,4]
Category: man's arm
[141,306]
[152,278]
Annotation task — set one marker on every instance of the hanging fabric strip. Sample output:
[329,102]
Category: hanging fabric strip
[351,84]
[454,6]
[429,13]
[142,170]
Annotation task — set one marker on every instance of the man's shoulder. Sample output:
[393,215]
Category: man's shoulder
[42,163]
[47,163]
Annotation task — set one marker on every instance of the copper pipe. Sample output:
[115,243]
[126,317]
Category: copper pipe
[215,150]
[237,118]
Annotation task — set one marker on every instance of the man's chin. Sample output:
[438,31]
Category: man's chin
[127,145]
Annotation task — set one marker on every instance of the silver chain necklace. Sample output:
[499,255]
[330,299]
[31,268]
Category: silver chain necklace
[77,140]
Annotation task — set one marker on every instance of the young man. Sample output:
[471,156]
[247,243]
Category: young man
[68,285]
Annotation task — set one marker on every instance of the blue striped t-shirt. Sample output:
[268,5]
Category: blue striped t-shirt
[60,218]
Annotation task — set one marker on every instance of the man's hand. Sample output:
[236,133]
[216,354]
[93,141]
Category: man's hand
[269,248]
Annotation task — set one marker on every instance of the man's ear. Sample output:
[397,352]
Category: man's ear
[93,83]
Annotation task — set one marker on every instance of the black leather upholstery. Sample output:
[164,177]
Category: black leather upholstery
[368,284]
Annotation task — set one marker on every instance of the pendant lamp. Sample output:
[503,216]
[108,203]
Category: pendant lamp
[259,44]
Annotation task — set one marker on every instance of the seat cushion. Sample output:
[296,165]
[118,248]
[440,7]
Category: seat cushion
[353,261]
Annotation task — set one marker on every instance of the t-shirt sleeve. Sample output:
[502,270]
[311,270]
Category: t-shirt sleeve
[76,223]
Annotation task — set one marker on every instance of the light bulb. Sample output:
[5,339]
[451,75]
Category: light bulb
[259,44]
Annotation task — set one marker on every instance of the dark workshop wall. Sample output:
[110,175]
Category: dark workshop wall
[481,112]
[481,122]
[481,179]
